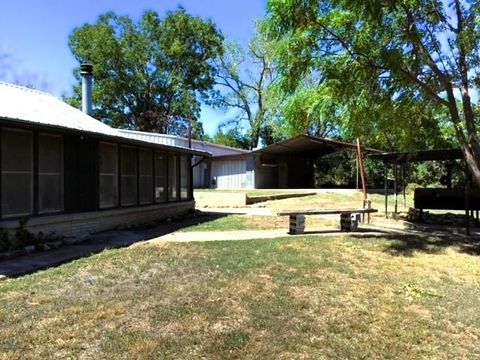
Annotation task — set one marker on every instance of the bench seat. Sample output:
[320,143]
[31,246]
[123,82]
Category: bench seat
[297,218]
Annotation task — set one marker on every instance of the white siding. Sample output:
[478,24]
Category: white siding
[230,174]
[199,175]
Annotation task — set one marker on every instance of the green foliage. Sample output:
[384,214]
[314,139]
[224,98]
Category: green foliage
[148,74]
[23,237]
[5,242]
[231,137]
[396,74]
[340,170]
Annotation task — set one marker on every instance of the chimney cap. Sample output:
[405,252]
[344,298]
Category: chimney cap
[86,69]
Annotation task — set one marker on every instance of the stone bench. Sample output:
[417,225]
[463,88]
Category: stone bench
[349,218]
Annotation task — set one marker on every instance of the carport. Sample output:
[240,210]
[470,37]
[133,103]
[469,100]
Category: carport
[448,197]
[289,164]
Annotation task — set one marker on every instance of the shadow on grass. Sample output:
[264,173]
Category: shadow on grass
[30,263]
[409,244]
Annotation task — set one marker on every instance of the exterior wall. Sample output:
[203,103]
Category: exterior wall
[201,173]
[230,174]
[81,212]
[81,225]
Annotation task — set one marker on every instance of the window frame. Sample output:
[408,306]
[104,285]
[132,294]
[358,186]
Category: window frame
[32,173]
[114,174]
[39,173]
[134,176]
[149,155]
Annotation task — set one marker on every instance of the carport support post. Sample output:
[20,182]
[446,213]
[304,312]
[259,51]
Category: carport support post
[385,182]
[395,194]
[404,186]
[467,200]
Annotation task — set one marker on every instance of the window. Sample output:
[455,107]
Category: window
[108,172]
[50,173]
[184,177]
[128,175]
[160,176]
[172,177]
[17,172]
[145,175]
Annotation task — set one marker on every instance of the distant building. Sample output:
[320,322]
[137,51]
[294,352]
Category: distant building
[287,164]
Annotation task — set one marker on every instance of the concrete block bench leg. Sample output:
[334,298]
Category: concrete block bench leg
[349,221]
[297,224]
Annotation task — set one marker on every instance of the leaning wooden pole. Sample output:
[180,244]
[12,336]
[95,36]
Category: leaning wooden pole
[366,202]
[362,169]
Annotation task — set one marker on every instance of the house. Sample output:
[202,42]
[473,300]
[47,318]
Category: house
[70,173]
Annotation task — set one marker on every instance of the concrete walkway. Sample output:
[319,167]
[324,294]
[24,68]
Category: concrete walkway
[218,236]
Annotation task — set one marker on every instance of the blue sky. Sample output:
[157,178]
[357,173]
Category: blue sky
[34,35]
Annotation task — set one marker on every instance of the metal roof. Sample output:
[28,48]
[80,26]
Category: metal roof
[21,104]
[307,145]
[418,156]
[173,140]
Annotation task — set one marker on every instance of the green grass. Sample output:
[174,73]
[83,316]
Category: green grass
[291,298]
[237,222]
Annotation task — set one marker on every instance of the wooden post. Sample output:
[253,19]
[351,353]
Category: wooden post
[467,201]
[404,186]
[395,194]
[386,188]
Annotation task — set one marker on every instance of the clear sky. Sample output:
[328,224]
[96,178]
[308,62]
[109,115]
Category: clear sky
[34,34]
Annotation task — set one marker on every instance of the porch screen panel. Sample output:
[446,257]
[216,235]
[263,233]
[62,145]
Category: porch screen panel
[160,176]
[50,173]
[17,172]
[145,176]
[172,178]
[108,172]
[128,175]
[184,177]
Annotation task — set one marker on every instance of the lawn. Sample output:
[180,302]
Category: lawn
[331,200]
[291,298]
[325,200]
[248,222]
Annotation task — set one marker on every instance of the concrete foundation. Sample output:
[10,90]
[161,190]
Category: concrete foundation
[82,225]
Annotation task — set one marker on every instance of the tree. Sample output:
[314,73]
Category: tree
[308,109]
[231,137]
[242,80]
[414,61]
[148,74]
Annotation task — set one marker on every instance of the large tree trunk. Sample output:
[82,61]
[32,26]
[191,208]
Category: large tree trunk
[468,144]
[473,163]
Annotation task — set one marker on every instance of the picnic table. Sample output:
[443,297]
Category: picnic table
[349,218]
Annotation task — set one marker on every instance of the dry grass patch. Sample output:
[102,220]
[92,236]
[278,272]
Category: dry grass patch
[338,297]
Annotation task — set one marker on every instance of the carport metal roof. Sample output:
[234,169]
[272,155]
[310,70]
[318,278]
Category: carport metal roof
[418,156]
[307,145]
